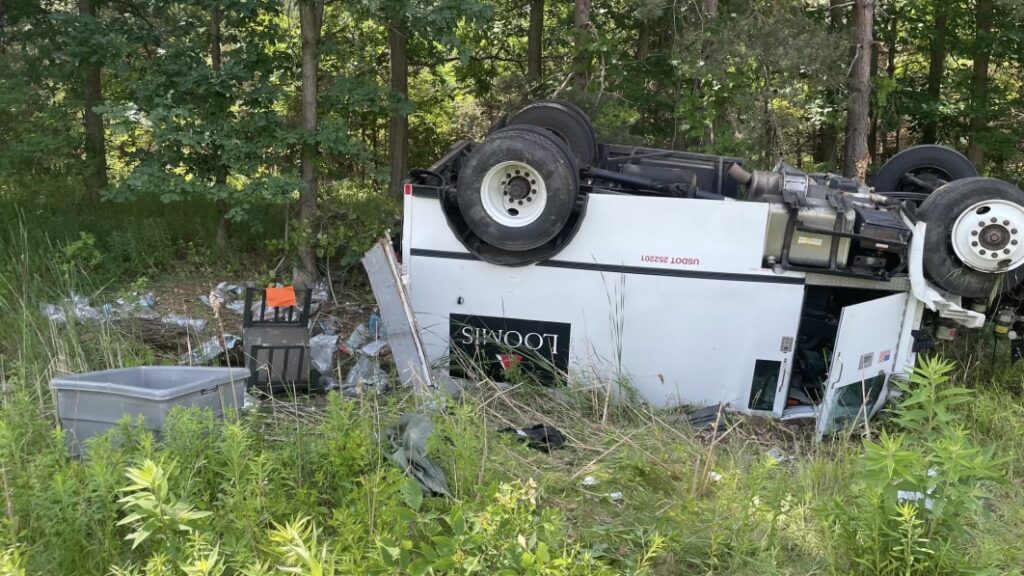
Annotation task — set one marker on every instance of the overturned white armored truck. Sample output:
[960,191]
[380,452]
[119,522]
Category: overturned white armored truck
[687,279]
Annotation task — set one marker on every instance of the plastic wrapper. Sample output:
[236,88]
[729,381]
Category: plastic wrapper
[147,300]
[225,295]
[53,312]
[375,349]
[321,352]
[320,292]
[209,350]
[196,324]
[328,325]
[236,307]
[80,308]
[84,312]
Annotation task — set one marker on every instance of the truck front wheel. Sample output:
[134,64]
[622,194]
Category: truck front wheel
[974,242]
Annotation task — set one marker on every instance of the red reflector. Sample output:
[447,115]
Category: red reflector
[408,189]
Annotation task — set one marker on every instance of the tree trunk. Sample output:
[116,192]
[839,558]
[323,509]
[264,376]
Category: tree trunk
[535,48]
[3,27]
[979,81]
[873,110]
[95,146]
[581,60]
[936,70]
[310,19]
[220,171]
[890,72]
[855,160]
[828,133]
[643,41]
[398,134]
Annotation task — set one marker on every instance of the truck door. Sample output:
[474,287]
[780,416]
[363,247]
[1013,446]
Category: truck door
[863,359]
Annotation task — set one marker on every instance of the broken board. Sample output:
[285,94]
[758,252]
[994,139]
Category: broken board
[396,312]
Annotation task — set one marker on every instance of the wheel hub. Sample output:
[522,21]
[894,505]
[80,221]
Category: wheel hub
[517,188]
[988,235]
[513,194]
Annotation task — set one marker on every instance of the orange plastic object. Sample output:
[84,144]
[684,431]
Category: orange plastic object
[281,297]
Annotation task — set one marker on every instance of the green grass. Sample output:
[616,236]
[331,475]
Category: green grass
[307,491]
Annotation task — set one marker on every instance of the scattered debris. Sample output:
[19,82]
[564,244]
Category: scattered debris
[714,476]
[616,496]
[539,437]
[589,481]
[409,442]
[249,401]
[79,308]
[328,324]
[196,324]
[320,292]
[225,295]
[210,350]
[366,375]
[779,456]
[359,336]
[375,349]
[712,418]
[321,350]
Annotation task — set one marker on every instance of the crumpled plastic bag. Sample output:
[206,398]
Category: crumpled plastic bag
[409,444]
[225,295]
[321,352]
[78,307]
[366,375]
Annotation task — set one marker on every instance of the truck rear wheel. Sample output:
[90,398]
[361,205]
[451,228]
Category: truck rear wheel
[974,242]
[923,169]
[518,189]
[566,121]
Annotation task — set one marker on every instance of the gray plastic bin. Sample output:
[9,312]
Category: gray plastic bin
[92,403]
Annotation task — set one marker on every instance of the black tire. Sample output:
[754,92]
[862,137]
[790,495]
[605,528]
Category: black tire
[548,158]
[536,133]
[566,121]
[940,211]
[928,162]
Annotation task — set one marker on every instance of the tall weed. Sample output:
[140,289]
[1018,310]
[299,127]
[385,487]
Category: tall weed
[919,491]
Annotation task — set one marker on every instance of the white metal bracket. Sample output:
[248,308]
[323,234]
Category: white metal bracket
[947,305]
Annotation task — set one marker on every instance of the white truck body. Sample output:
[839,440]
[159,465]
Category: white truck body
[664,296]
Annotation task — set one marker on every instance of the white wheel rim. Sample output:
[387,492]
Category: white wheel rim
[989,236]
[513,194]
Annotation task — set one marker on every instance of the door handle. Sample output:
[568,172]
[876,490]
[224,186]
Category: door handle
[839,359]
[785,366]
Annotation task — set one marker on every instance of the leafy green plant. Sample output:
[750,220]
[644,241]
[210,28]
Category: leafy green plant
[925,409]
[152,511]
[509,536]
[297,546]
[917,493]
[11,562]
[80,254]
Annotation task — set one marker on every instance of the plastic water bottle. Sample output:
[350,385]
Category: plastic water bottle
[374,324]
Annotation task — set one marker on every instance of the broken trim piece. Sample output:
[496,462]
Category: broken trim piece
[396,312]
[947,306]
